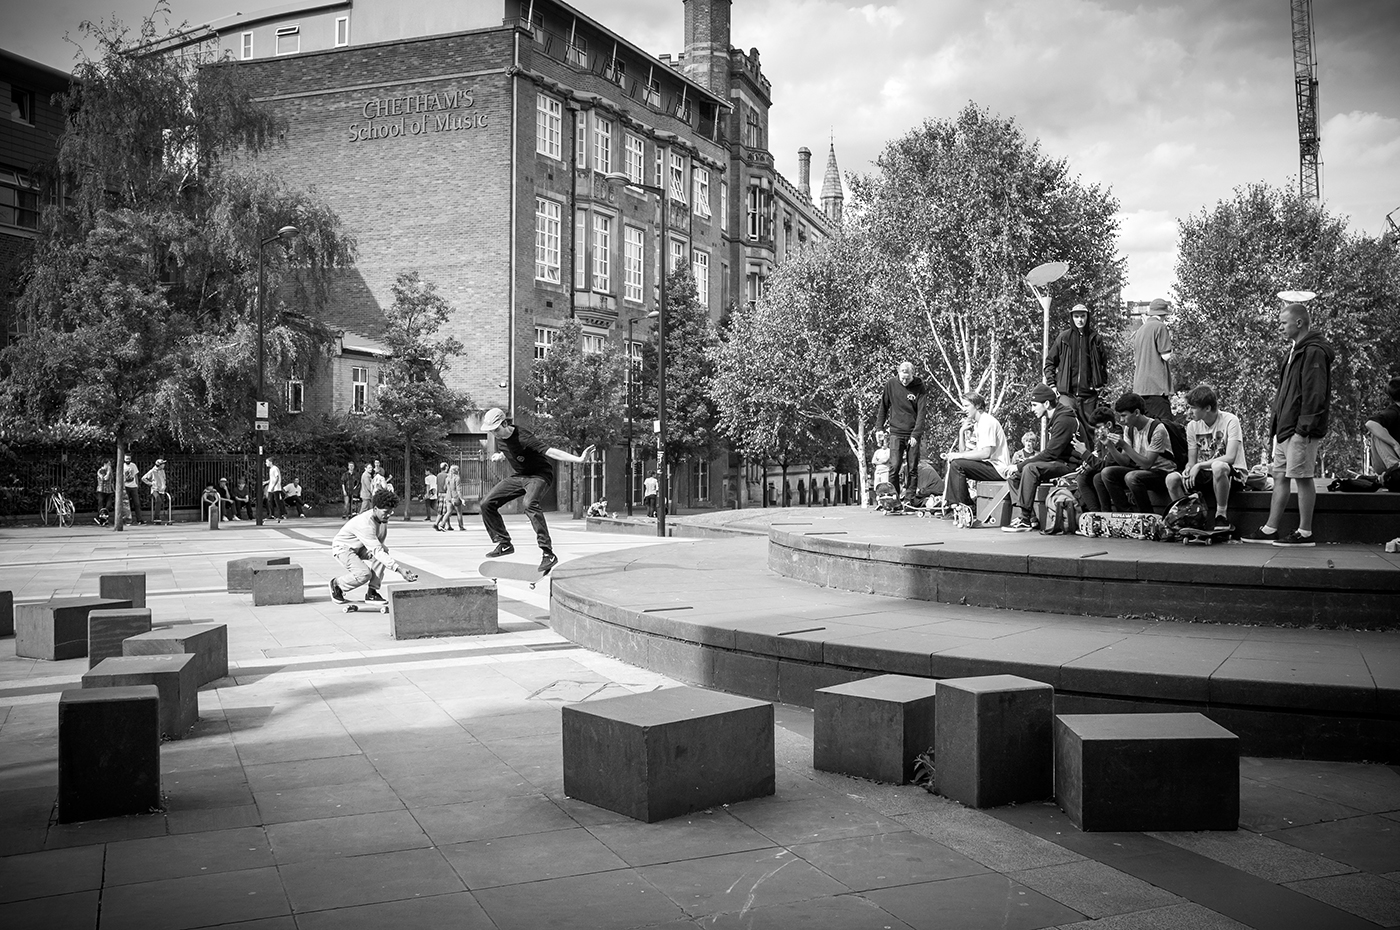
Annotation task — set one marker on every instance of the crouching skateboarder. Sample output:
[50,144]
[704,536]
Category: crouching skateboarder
[359,547]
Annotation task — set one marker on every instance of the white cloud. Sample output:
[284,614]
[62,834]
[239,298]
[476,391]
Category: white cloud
[1362,140]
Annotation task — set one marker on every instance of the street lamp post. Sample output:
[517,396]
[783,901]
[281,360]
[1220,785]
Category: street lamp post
[283,234]
[628,483]
[662,192]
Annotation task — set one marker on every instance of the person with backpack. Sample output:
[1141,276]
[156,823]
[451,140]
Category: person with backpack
[1062,453]
[1215,461]
[1141,460]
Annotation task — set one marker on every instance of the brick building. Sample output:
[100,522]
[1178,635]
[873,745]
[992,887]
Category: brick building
[473,142]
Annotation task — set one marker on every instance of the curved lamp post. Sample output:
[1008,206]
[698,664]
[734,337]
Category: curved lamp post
[1037,279]
[284,234]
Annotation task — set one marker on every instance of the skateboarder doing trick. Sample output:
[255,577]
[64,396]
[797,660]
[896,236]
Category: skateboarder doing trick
[532,462]
[359,546]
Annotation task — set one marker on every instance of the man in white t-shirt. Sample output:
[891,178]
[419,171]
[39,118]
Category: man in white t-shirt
[986,460]
[1215,464]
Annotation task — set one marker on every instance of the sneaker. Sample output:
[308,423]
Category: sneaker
[502,548]
[337,595]
[1259,537]
[1296,540]
[1019,525]
[372,596]
[547,562]
[1223,523]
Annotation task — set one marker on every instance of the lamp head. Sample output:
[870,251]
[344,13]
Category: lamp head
[287,232]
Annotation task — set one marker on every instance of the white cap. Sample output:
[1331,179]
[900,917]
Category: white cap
[492,419]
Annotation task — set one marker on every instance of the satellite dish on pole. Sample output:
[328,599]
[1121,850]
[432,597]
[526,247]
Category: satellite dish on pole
[1296,297]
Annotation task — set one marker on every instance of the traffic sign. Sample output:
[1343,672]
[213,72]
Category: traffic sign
[260,424]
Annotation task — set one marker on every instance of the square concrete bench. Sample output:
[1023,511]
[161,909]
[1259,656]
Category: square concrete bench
[207,642]
[992,740]
[7,613]
[124,586]
[108,752]
[873,728]
[1133,772]
[173,677]
[277,584]
[239,572]
[107,628]
[665,753]
[58,628]
[462,608]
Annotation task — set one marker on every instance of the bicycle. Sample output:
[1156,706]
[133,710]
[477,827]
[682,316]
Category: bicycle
[58,508]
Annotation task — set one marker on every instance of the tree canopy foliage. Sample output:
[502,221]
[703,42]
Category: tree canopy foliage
[1234,258]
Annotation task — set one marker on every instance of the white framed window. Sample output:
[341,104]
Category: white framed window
[245,48]
[580,249]
[21,104]
[549,126]
[581,139]
[633,248]
[652,95]
[700,267]
[677,256]
[677,176]
[724,205]
[19,199]
[616,72]
[359,389]
[578,52]
[548,222]
[288,40]
[602,252]
[700,191]
[755,213]
[659,173]
[296,394]
[592,343]
[342,31]
[753,129]
[602,145]
[544,340]
[593,472]
[700,475]
[636,159]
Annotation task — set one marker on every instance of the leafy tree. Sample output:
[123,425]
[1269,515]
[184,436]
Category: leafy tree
[413,405]
[140,298]
[1235,258]
[814,351]
[579,397]
[958,211]
[691,411]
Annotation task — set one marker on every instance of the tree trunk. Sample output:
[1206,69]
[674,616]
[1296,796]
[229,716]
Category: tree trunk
[119,488]
[407,482]
[575,492]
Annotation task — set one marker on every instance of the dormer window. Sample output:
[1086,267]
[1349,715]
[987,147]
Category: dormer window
[288,40]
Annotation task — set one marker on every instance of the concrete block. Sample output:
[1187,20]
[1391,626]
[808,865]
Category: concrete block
[665,753]
[873,728]
[462,608]
[992,740]
[277,584]
[58,628]
[124,586]
[108,752]
[173,676]
[107,629]
[207,642]
[1133,772]
[214,516]
[7,613]
[239,572]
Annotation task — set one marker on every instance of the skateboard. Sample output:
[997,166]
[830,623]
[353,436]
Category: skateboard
[517,571]
[356,608]
[1190,536]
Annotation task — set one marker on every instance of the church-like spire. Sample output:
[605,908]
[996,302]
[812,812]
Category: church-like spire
[832,195]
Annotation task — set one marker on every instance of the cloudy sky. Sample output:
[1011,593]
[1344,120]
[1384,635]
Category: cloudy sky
[1172,104]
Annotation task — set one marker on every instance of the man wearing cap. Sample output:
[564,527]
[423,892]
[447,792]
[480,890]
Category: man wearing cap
[1152,353]
[1062,447]
[1077,366]
[155,480]
[532,462]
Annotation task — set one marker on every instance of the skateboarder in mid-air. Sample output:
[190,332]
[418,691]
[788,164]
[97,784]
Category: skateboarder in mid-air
[532,462]
[359,546]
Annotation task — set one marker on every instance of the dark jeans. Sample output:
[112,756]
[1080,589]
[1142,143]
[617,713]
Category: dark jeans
[1134,489]
[104,501]
[1157,406]
[243,505]
[133,500]
[274,502]
[507,490]
[960,471]
[904,456]
[1092,496]
[1084,408]
[1032,475]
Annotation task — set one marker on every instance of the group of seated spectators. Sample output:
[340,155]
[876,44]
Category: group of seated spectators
[238,501]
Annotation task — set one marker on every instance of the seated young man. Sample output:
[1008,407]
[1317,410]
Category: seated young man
[1140,462]
[986,460]
[1216,464]
[1089,490]
[1384,427]
[1062,450]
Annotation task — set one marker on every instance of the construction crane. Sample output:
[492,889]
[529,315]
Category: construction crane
[1305,88]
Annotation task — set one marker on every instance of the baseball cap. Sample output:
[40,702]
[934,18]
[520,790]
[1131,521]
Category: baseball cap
[492,419]
[1079,308]
[1043,394]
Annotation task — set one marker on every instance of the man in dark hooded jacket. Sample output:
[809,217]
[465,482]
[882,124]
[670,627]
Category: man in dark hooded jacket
[1077,366]
[1299,422]
[902,407]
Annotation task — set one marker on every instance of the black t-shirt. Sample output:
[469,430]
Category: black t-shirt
[1390,419]
[525,453]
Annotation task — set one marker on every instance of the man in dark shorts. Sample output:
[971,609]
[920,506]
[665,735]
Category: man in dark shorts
[531,460]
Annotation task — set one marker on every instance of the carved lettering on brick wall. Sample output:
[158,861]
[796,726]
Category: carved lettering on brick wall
[417,115]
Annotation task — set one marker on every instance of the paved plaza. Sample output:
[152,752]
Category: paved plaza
[340,779]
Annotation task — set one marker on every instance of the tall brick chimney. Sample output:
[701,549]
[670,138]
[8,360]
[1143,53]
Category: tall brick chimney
[804,171]
[707,44]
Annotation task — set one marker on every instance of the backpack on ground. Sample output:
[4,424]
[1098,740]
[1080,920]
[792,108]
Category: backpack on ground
[1356,484]
[1187,513]
[1177,434]
[1061,512]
